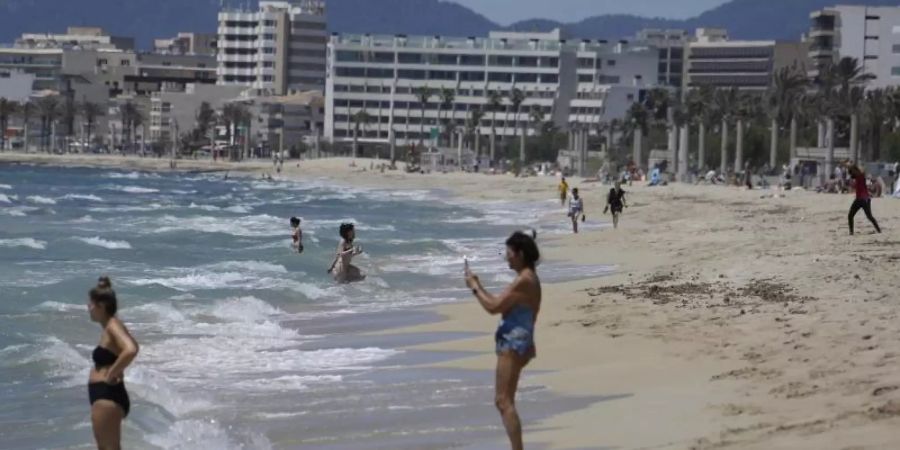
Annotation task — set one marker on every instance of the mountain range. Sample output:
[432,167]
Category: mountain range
[149,19]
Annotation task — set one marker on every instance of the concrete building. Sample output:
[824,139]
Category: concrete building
[76,38]
[279,48]
[15,86]
[711,59]
[173,110]
[187,44]
[869,34]
[569,82]
[45,64]
[670,44]
[288,122]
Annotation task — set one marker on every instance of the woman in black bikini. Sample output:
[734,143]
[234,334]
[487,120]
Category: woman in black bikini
[106,384]
[341,269]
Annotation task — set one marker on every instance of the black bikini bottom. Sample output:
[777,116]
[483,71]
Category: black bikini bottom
[114,393]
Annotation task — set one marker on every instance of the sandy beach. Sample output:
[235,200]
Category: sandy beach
[736,320]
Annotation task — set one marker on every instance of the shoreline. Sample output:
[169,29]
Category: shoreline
[736,320]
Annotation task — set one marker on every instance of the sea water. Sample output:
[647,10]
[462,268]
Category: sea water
[244,344]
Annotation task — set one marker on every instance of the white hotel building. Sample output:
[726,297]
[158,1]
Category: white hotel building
[571,82]
[280,48]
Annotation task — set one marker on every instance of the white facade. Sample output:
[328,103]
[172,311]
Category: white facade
[869,34]
[568,82]
[280,47]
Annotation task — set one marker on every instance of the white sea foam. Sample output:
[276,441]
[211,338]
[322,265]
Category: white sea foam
[39,200]
[5,186]
[240,209]
[24,242]
[6,198]
[61,360]
[126,176]
[135,189]
[88,197]
[247,226]
[108,244]
[193,434]
[183,192]
[83,219]
[60,307]
[148,207]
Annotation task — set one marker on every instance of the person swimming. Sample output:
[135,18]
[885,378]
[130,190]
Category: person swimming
[296,235]
[341,269]
[519,305]
[117,349]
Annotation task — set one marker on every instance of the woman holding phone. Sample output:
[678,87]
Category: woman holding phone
[519,305]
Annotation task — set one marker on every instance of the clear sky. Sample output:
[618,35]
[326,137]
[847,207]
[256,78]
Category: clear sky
[508,11]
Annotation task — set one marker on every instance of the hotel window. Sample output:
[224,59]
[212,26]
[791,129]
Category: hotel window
[895,48]
[125,63]
[269,50]
[500,77]
[586,78]
[611,63]
[471,60]
[895,71]
[269,23]
[382,57]
[410,58]
[447,60]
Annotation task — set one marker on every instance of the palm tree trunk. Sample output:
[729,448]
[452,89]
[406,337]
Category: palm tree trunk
[355,140]
[829,155]
[26,140]
[684,142]
[477,145]
[672,134]
[723,159]
[854,138]
[793,137]
[636,147]
[739,147]
[493,136]
[773,143]
[701,148]
[522,147]
[820,134]
[393,142]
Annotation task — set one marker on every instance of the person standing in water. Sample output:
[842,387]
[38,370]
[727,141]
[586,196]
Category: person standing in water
[576,209]
[106,383]
[519,305]
[863,199]
[615,202]
[341,269]
[563,191]
[296,235]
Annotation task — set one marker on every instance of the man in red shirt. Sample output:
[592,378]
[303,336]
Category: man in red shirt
[863,200]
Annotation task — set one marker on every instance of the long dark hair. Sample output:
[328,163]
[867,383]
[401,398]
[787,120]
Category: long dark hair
[104,295]
[524,244]
[345,230]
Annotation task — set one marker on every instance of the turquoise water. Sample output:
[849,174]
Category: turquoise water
[244,344]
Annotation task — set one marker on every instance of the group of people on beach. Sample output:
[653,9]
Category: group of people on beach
[341,269]
[615,203]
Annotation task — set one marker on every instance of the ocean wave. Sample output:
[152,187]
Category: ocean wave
[5,186]
[148,207]
[107,244]
[130,175]
[83,219]
[39,200]
[182,192]
[24,242]
[7,198]
[246,226]
[193,433]
[61,359]
[88,197]
[240,209]
[134,189]
[60,307]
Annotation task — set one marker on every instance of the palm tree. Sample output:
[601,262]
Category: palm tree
[681,120]
[448,98]
[473,128]
[90,111]
[637,121]
[749,106]
[132,118]
[516,98]
[424,94]
[788,87]
[657,105]
[234,115]
[700,105]
[494,102]
[7,109]
[69,111]
[360,120]
[48,110]
[875,113]
[726,102]
[853,100]
[26,111]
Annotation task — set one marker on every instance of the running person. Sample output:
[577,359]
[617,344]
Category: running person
[106,383]
[296,235]
[576,209]
[341,269]
[615,202]
[863,199]
[519,305]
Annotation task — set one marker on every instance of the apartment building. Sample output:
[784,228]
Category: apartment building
[712,59]
[568,82]
[868,33]
[76,38]
[45,64]
[280,47]
[173,110]
[670,44]
[187,44]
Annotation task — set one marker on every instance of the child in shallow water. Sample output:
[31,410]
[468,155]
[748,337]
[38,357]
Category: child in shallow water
[296,235]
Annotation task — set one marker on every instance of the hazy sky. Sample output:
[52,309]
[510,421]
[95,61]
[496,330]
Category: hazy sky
[507,11]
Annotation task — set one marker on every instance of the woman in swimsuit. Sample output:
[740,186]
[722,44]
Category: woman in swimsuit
[342,270]
[296,235]
[106,384]
[519,305]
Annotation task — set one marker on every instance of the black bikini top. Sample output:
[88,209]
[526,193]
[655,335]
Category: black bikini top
[103,357]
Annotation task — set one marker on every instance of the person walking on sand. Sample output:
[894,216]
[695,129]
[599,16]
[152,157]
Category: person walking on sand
[863,199]
[576,210]
[563,191]
[106,384]
[615,202]
[519,305]
[341,269]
